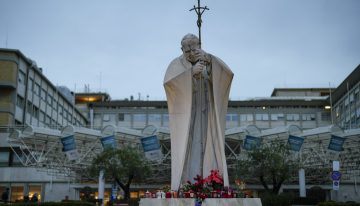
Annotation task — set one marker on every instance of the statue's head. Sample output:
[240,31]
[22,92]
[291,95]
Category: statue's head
[190,46]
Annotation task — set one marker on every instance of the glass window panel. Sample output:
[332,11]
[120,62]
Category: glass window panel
[35,189]
[43,94]
[121,117]
[17,193]
[4,158]
[139,120]
[21,77]
[165,120]
[30,84]
[37,89]
[154,119]
[274,117]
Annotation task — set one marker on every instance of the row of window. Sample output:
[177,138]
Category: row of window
[41,116]
[272,117]
[347,109]
[16,191]
[138,120]
[34,88]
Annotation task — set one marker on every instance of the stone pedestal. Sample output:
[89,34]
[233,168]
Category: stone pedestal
[206,202]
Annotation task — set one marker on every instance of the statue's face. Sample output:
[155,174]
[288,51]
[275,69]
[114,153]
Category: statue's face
[191,50]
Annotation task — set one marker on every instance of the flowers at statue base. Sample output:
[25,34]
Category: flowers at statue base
[240,186]
[215,180]
[211,186]
[198,189]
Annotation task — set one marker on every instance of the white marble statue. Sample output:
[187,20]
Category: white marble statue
[197,86]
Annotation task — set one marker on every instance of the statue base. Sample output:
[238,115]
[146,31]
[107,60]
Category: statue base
[206,202]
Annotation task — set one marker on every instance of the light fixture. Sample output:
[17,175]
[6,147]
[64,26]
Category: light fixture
[327,107]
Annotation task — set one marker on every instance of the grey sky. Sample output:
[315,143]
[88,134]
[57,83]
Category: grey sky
[125,46]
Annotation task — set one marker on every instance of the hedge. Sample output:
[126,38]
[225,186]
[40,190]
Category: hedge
[70,203]
[338,204]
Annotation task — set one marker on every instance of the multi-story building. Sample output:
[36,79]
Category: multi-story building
[281,109]
[27,97]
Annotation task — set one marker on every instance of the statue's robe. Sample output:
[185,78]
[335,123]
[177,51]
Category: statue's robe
[197,109]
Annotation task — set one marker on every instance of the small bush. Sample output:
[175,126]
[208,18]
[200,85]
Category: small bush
[269,199]
[131,202]
[305,201]
[69,203]
[331,203]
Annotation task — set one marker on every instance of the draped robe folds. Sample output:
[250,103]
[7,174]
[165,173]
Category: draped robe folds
[190,107]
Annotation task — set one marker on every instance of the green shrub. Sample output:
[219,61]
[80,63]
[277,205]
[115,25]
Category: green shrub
[131,202]
[68,203]
[269,199]
[305,201]
[332,203]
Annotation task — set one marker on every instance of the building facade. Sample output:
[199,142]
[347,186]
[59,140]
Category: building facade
[29,100]
[27,97]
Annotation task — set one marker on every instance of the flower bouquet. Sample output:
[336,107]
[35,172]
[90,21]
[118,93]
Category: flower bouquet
[215,180]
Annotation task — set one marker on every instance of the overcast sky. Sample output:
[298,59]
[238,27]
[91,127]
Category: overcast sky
[123,47]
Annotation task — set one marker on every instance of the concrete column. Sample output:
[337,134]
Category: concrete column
[101,188]
[302,187]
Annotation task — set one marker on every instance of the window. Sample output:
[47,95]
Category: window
[48,120]
[60,109]
[35,189]
[54,104]
[277,117]
[65,113]
[261,117]
[165,120]
[246,117]
[121,117]
[308,117]
[17,193]
[49,99]
[35,112]
[139,120]
[43,94]
[20,101]
[292,117]
[69,116]
[37,89]
[29,108]
[154,119]
[325,116]
[21,77]
[15,159]
[106,118]
[232,117]
[139,117]
[30,84]
[4,158]
[42,116]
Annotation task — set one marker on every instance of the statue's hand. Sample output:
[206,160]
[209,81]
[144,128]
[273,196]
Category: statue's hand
[201,55]
[199,67]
